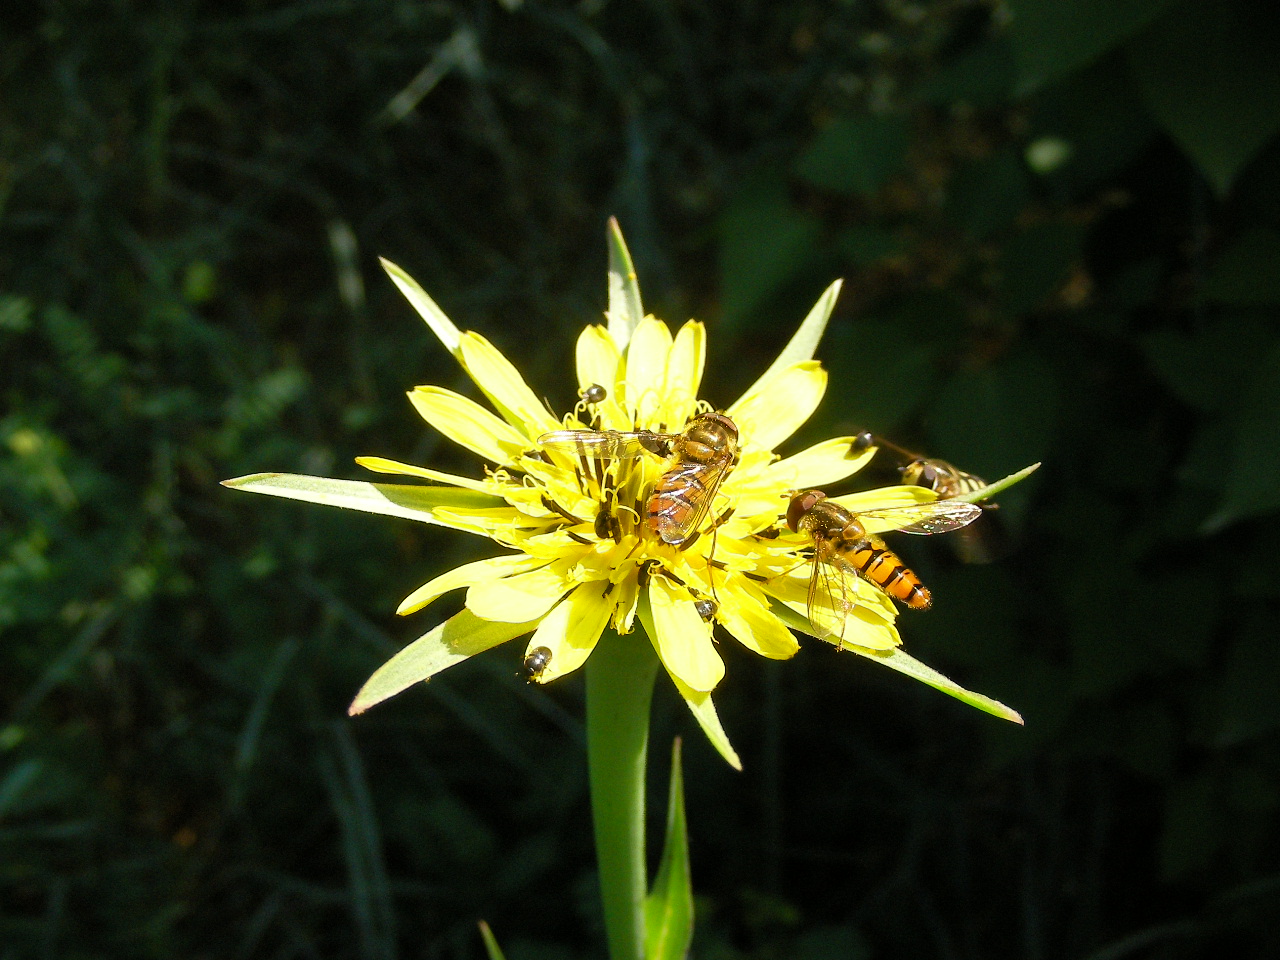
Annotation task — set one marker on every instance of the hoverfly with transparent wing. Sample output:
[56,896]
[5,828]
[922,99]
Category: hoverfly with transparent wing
[698,460]
[844,549]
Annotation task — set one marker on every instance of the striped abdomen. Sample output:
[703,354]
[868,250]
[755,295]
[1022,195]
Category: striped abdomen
[884,568]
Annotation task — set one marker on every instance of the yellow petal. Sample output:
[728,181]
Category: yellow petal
[750,621]
[526,596]
[571,630]
[467,423]
[646,370]
[505,388]
[820,465]
[597,358]
[685,363]
[465,576]
[383,465]
[683,639]
[769,413]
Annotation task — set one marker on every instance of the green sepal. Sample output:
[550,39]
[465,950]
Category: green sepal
[461,636]
[668,909]
[490,942]
[427,308]
[625,309]
[896,659]
[991,489]
[410,501]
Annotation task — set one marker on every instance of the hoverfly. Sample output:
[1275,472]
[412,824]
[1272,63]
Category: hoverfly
[535,662]
[697,462]
[843,548]
[981,543]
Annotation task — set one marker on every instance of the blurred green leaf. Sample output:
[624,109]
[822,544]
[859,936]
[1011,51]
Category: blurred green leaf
[1255,461]
[864,244]
[1247,273]
[982,77]
[765,243]
[1052,39]
[1036,262]
[1247,706]
[1000,415]
[1207,71]
[1209,369]
[856,155]
[987,195]
[668,908]
[1192,828]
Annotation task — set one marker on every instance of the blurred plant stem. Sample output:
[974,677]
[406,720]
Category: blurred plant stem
[620,676]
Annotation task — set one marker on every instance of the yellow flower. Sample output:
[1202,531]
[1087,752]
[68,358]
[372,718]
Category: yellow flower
[581,554]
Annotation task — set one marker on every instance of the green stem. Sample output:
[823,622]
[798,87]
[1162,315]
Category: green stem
[620,676]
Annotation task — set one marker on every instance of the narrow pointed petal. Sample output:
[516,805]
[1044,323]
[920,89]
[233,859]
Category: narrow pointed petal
[828,462]
[461,636]
[526,596]
[436,318]
[468,424]
[466,575]
[502,384]
[862,629]
[756,628]
[571,630]
[682,638]
[769,413]
[412,502]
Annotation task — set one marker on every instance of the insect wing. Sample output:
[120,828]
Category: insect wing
[673,529]
[829,599]
[603,445]
[941,516]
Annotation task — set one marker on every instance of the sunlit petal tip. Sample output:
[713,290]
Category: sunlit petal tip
[771,412]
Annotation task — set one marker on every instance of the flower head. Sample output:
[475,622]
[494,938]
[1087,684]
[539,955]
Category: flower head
[641,503]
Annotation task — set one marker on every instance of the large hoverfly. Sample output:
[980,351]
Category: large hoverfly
[697,462]
[842,549]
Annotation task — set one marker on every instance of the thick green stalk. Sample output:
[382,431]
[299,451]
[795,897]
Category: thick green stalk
[620,676]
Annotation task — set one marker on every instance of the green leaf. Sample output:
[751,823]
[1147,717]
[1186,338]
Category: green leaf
[1053,38]
[490,942]
[410,501]
[986,196]
[1245,273]
[668,909]
[1207,72]
[765,243]
[427,308]
[857,155]
[1250,486]
[982,77]
[461,636]
[625,308]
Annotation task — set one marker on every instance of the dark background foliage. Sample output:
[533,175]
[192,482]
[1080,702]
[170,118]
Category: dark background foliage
[1059,225]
